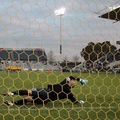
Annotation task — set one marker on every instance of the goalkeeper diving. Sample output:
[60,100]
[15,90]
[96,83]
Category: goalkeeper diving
[53,92]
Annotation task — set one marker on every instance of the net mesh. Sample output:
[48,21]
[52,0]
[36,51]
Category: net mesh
[38,48]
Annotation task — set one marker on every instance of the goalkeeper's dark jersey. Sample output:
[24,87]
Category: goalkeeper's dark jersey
[61,91]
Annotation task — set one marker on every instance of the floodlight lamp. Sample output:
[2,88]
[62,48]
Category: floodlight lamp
[60,12]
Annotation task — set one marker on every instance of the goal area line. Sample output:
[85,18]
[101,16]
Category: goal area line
[59,108]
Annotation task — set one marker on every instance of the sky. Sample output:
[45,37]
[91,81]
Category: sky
[33,24]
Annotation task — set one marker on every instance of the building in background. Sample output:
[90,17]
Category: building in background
[29,55]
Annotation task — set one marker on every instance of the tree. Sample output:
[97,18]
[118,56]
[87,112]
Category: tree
[51,57]
[75,58]
[65,58]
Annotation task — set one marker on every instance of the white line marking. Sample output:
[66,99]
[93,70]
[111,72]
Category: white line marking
[59,108]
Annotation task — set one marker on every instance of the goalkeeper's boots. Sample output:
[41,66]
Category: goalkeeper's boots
[9,103]
[83,82]
[8,94]
[81,101]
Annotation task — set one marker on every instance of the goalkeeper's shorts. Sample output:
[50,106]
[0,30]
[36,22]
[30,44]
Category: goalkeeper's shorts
[40,95]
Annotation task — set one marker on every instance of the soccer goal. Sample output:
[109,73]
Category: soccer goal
[59,60]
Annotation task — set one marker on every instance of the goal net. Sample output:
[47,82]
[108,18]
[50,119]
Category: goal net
[43,42]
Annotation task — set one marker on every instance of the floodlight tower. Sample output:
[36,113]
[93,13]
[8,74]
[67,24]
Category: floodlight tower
[60,12]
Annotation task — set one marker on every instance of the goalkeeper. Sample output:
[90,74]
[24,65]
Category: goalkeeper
[45,95]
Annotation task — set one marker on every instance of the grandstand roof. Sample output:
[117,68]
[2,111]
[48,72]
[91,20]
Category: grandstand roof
[23,54]
[113,14]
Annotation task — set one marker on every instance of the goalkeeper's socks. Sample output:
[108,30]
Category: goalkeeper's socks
[20,102]
[20,92]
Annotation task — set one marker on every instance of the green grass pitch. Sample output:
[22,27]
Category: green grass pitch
[101,96]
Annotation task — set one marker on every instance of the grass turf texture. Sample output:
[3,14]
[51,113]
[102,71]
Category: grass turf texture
[101,96]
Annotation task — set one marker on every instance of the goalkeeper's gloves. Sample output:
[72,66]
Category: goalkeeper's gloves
[83,82]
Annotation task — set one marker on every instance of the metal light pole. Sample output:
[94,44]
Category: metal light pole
[60,12]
